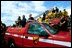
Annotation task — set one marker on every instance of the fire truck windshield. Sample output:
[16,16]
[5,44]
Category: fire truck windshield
[36,28]
[50,29]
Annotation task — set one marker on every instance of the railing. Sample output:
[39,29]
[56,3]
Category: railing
[40,14]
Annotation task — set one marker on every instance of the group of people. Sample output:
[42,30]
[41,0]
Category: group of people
[47,17]
[22,23]
[50,14]
[56,13]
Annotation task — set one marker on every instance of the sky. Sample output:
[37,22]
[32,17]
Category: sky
[10,10]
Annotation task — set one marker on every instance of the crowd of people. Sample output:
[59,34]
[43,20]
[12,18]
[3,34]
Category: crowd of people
[56,13]
[47,17]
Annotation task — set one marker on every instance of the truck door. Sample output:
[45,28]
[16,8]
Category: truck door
[17,36]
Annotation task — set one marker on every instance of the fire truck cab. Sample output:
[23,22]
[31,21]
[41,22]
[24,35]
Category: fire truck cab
[36,34]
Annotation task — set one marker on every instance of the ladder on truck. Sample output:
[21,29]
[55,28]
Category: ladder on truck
[41,14]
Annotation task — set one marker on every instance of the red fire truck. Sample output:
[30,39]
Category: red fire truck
[36,34]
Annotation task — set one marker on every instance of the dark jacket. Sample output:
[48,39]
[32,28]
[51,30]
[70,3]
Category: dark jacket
[43,17]
[31,18]
[3,28]
[23,22]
